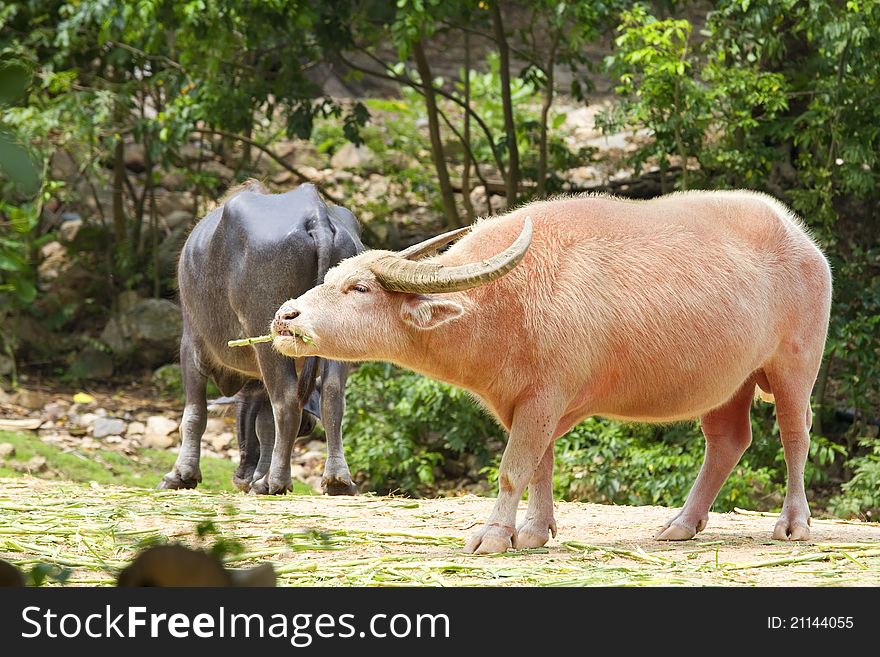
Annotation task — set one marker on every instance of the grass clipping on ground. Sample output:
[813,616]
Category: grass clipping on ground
[95,530]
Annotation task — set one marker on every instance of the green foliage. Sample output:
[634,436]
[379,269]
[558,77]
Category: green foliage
[400,148]
[860,496]
[693,106]
[399,427]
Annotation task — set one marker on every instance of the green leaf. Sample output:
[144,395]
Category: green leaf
[15,78]
[16,165]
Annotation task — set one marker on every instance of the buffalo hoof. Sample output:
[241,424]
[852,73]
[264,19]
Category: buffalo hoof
[243,485]
[533,533]
[338,486]
[792,527]
[266,485]
[174,481]
[491,539]
[681,528]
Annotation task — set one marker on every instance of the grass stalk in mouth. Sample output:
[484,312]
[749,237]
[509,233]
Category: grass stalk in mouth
[246,342]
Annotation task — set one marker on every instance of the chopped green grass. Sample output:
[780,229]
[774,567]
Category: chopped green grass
[94,530]
[104,466]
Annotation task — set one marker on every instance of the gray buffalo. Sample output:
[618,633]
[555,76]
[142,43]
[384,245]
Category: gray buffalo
[237,266]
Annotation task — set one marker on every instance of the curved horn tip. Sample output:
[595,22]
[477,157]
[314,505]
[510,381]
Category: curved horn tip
[401,275]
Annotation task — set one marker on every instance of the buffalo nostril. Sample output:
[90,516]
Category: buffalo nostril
[289,314]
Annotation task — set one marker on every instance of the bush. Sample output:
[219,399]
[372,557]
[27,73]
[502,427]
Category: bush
[400,427]
[861,494]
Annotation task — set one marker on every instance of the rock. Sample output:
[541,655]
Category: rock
[298,472]
[216,425]
[20,424]
[7,365]
[221,441]
[113,440]
[114,336]
[223,172]
[353,157]
[160,425]
[55,410]
[378,188]
[85,420]
[168,202]
[316,446]
[583,176]
[63,165]
[312,460]
[36,464]
[158,430]
[148,333]
[54,262]
[92,364]
[158,442]
[177,218]
[36,340]
[70,226]
[314,481]
[7,450]
[127,300]
[173,180]
[282,178]
[156,322]
[31,399]
[615,141]
[135,429]
[135,158]
[107,426]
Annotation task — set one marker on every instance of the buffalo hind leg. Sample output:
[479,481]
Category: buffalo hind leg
[794,418]
[279,377]
[265,431]
[539,517]
[728,433]
[248,404]
[337,477]
[530,435]
[186,472]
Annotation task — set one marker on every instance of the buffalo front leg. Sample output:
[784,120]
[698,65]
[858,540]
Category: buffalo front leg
[186,472]
[728,433]
[530,436]
[539,517]
[337,478]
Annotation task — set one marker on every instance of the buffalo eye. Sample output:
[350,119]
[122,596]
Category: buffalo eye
[360,287]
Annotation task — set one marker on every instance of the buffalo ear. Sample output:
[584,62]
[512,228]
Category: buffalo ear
[427,312]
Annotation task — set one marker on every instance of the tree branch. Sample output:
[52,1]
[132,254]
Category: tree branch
[268,151]
[409,82]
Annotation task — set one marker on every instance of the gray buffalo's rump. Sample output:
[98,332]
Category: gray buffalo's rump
[239,264]
[245,259]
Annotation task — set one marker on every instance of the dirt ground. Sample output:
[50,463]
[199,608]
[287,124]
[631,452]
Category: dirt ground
[379,541]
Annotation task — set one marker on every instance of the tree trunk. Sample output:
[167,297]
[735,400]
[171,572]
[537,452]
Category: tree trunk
[679,142]
[512,179]
[118,183]
[819,395]
[437,153]
[546,104]
[466,171]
